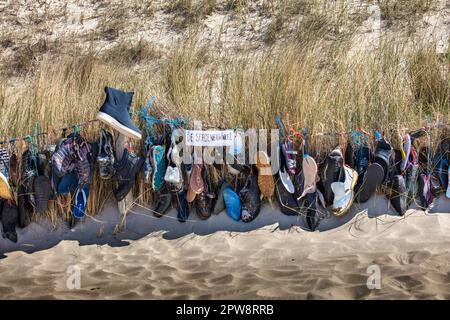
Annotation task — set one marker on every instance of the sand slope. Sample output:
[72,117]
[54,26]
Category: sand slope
[222,259]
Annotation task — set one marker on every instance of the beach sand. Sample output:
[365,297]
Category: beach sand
[272,257]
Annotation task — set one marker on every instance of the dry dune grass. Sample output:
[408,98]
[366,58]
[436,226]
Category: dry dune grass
[312,81]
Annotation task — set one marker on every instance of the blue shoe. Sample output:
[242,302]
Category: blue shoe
[81,202]
[232,204]
[67,184]
[159,166]
[115,112]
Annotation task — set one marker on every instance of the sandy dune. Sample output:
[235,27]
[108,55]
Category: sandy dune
[271,257]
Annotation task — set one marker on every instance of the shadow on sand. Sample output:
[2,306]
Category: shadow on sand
[140,223]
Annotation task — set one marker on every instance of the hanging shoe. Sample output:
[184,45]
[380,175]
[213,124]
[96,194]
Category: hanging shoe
[126,171]
[372,178]
[287,201]
[383,153]
[9,219]
[289,154]
[219,205]
[115,112]
[163,204]
[203,205]
[232,204]
[5,189]
[148,169]
[350,155]
[344,192]
[196,183]
[266,181]
[14,173]
[24,207]
[311,216]
[43,193]
[183,206]
[406,147]
[67,184]
[105,158]
[204,201]
[63,160]
[84,163]
[412,176]
[250,199]
[309,176]
[398,194]
[332,172]
[4,162]
[362,159]
[159,166]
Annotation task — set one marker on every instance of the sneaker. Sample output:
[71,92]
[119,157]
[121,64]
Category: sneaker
[115,112]
[126,171]
[105,158]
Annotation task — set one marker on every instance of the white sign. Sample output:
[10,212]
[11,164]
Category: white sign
[210,138]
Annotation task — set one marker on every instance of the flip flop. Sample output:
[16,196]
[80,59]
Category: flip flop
[309,172]
[286,180]
[372,179]
[406,147]
[81,202]
[343,192]
[399,194]
[383,153]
